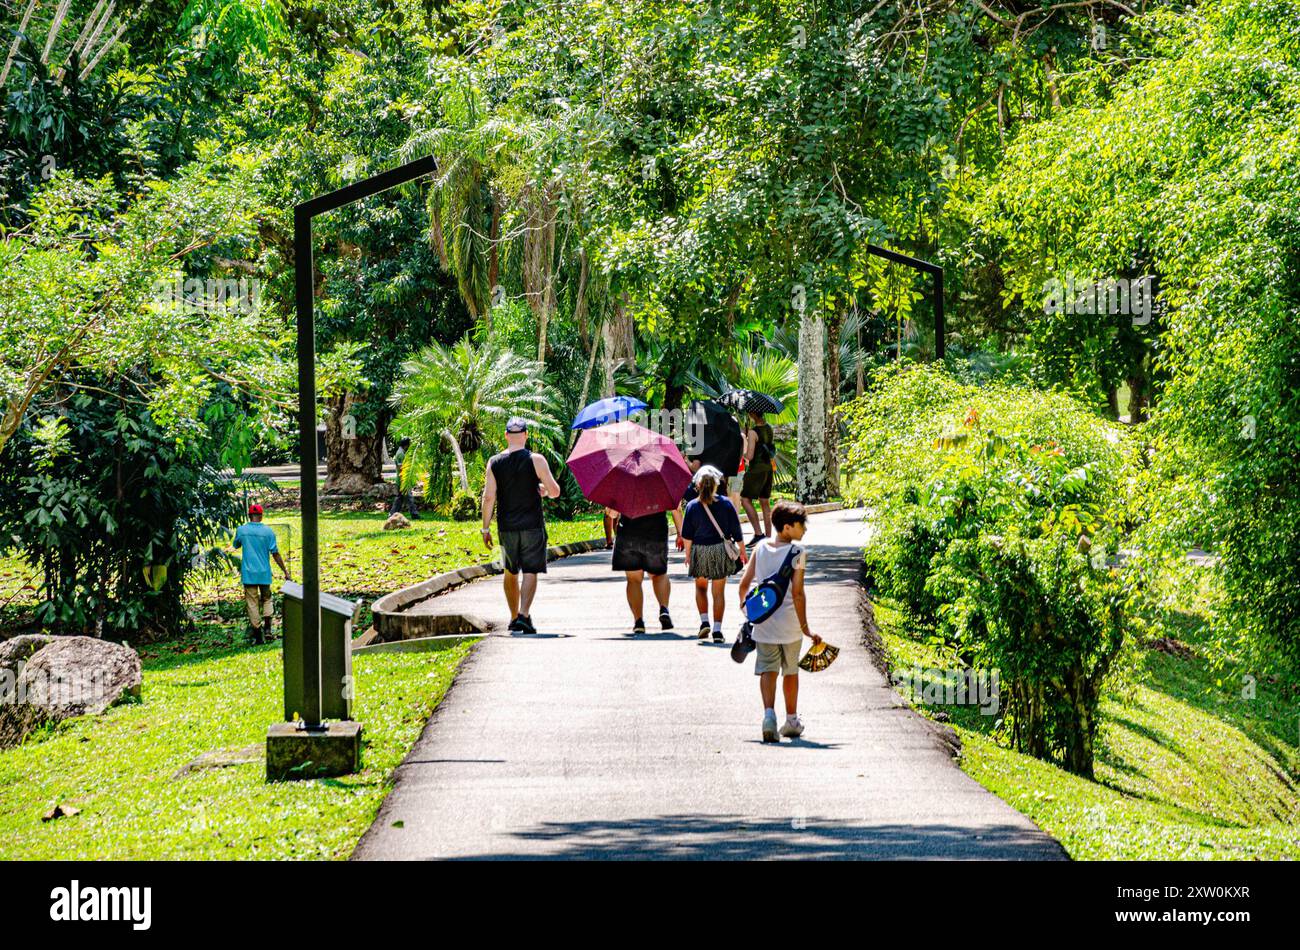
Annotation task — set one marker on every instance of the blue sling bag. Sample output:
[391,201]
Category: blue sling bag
[763,600]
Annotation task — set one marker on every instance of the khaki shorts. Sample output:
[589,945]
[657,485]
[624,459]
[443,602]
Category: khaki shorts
[257,598]
[777,658]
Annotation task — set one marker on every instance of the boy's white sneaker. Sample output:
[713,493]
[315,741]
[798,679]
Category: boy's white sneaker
[793,727]
[769,728]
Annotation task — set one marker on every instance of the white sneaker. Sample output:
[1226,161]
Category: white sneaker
[769,728]
[793,728]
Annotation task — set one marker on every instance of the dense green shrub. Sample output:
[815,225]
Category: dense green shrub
[113,513]
[1049,621]
[463,506]
[997,511]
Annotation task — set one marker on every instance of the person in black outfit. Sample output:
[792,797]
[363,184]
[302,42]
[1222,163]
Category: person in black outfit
[517,481]
[641,548]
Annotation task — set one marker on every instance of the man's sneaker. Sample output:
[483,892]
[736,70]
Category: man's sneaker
[525,624]
[665,621]
[769,727]
[792,728]
[514,626]
[704,631]
[638,626]
[717,636]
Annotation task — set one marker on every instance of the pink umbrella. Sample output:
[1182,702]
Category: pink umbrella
[627,467]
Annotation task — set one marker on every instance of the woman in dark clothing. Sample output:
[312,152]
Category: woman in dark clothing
[760,450]
[706,549]
[641,548]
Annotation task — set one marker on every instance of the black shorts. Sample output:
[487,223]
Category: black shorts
[640,554]
[524,552]
[758,483]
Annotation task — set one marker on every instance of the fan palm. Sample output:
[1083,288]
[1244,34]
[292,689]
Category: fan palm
[765,371]
[454,401]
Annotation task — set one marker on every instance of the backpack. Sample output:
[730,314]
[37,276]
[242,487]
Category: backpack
[764,599]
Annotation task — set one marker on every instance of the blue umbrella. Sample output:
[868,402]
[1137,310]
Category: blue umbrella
[606,411]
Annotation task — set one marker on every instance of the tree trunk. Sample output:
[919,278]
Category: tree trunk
[620,345]
[354,463]
[861,381]
[1138,396]
[811,474]
[833,400]
[580,301]
[461,472]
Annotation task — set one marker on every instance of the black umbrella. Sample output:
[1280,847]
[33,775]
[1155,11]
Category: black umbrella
[748,400]
[713,436]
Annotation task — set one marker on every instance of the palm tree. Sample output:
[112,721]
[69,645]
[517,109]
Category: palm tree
[454,401]
[765,371]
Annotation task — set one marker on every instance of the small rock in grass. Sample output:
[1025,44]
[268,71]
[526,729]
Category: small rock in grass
[62,810]
[396,521]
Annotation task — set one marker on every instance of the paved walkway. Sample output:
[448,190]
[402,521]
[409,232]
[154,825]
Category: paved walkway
[587,742]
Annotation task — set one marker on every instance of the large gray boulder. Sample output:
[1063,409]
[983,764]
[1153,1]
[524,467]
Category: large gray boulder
[61,677]
[78,676]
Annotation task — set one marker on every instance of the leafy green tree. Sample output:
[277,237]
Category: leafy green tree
[454,403]
[1184,165]
[334,95]
[86,290]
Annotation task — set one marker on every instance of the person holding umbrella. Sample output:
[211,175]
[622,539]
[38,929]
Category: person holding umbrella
[603,412]
[759,472]
[516,482]
[715,547]
[641,548]
[638,475]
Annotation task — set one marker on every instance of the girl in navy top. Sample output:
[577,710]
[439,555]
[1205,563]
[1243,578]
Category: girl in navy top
[706,551]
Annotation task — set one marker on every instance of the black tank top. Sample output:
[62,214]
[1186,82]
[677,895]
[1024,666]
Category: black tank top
[519,506]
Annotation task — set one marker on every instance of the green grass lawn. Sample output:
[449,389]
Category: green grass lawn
[120,769]
[359,560]
[206,692]
[1186,768]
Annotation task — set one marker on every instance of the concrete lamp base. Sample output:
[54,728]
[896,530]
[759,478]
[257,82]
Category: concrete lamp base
[295,752]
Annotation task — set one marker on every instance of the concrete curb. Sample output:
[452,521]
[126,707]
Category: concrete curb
[417,644]
[389,614]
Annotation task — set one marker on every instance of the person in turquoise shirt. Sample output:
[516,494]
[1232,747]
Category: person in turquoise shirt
[259,546]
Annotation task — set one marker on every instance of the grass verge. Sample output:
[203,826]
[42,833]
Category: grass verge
[121,769]
[1187,766]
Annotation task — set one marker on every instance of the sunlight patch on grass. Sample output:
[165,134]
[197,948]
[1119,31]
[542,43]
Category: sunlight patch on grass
[120,769]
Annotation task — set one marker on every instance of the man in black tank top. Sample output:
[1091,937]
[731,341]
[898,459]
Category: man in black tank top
[517,481]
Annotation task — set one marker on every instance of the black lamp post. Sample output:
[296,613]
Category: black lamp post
[303,666]
[936,291]
[304,275]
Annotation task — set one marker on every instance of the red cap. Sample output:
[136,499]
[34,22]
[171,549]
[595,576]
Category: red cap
[254,509]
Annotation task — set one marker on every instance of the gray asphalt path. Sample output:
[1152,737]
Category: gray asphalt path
[587,742]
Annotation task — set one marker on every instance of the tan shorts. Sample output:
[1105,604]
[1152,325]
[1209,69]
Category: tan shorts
[777,658]
[257,598]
